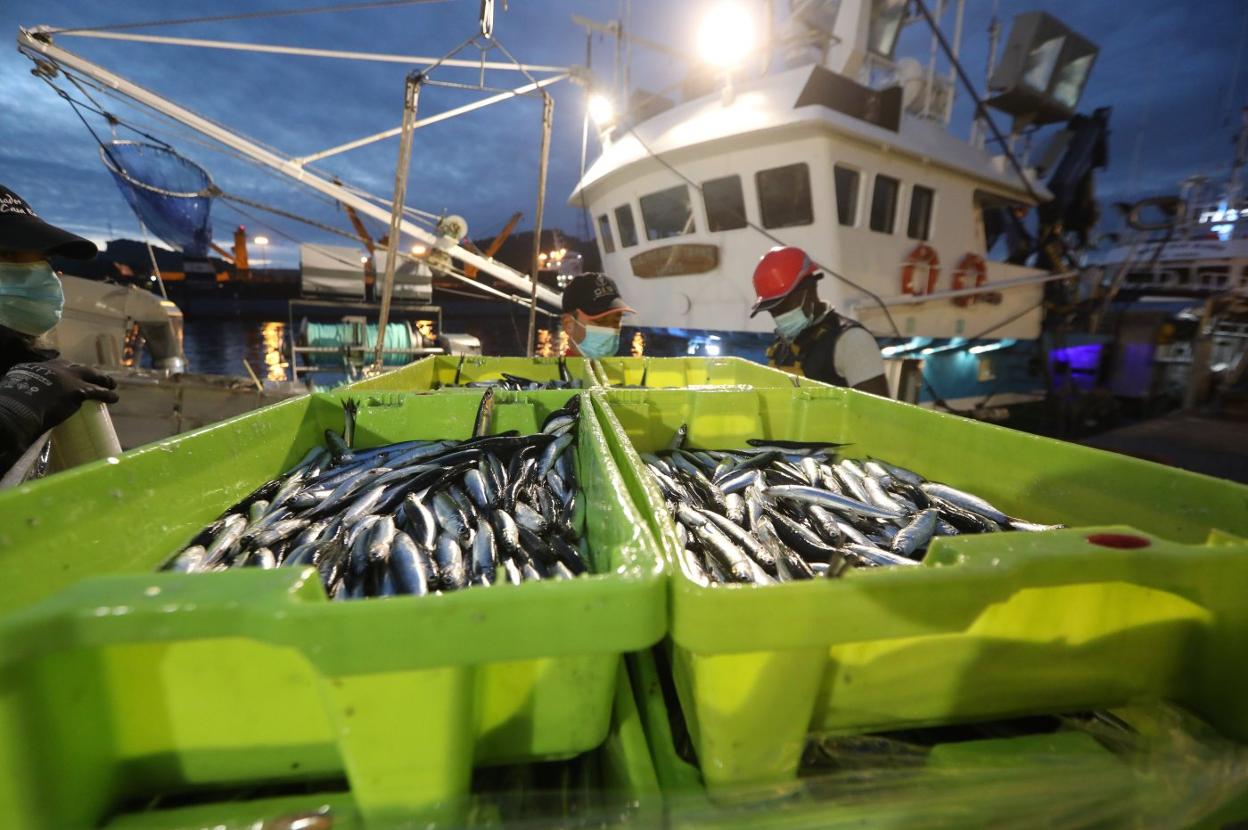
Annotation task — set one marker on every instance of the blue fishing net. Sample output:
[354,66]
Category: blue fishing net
[168,193]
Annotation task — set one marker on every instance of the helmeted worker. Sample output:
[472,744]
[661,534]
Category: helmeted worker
[592,315]
[812,339]
[38,390]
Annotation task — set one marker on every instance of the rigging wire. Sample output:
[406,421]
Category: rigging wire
[219,18]
[291,237]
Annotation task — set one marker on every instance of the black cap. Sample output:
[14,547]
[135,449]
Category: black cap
[595,295]
[21,229]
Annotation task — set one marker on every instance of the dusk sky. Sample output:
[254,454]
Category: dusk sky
[1172,71]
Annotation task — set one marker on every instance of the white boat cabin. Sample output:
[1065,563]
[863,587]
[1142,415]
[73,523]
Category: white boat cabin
[868,181]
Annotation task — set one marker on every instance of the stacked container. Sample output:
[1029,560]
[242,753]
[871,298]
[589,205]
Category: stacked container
[123,685]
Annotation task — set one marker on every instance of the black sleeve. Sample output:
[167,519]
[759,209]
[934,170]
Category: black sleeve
[819,362]
[19,427]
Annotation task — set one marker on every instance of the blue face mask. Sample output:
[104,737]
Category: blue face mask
[31,299]
[599,341]
[791,323]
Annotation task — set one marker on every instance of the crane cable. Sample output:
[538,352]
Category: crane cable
[220,18]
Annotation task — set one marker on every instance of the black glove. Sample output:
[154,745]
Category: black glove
[35,397]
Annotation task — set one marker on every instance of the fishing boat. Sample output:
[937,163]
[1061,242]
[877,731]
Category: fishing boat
[841,147]
[1170,292]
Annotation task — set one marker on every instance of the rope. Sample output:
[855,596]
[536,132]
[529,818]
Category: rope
[149,24]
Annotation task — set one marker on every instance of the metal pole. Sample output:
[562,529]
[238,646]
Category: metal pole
[411,96]
[376,57]
[931,64]
[160,279]
[957,53]
[994,34]
[425,122]
[548,111]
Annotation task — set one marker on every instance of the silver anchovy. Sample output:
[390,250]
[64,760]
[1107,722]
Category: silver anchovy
[916,534]
[967,501]
[832,501]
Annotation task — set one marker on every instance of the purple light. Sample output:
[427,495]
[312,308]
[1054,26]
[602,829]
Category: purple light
[1085,358]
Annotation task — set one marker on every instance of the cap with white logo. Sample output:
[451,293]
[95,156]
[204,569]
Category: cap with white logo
[21,229]
[595,295]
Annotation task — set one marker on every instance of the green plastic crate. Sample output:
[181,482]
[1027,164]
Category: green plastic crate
[439,370]
[991,626]
[622,771]
[120,682]
[685,372]
[1066,778]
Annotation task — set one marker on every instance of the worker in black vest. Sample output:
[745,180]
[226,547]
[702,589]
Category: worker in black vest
[812,339]
[38,390]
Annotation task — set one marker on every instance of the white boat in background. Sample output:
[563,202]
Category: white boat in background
[110,326]
[845,151]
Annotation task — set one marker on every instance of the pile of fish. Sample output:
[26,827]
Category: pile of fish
[787,510]
[517,383]
[413,517]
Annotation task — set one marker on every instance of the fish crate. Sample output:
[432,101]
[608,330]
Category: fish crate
[1137,599]
[441,371]
[614,785]
[687,372]
[1084,770]
[123,682]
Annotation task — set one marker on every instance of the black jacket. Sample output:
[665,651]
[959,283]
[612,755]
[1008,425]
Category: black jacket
[14,435]
[813,353]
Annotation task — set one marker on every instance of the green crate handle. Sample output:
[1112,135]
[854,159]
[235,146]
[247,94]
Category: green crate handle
[287,607]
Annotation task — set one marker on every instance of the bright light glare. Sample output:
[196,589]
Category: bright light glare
[419,249]
[712,349]
[726,35]
[363,259]
[601,110]
[261,240]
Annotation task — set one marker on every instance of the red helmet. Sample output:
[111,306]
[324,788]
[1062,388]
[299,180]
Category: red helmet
[779,272]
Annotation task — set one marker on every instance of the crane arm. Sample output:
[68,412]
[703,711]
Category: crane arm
[39,47]
[360,230]
[471,270]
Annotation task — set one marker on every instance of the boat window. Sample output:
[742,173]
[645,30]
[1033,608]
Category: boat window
[604,233]
[884,204]
[725,204]
[667,213]
[784,196]
[846,195]
[626,226]
[920,223]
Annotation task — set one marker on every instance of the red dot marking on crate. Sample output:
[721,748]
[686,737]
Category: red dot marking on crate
[1123,541]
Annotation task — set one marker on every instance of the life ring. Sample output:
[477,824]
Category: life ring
[971,264]
[925,255]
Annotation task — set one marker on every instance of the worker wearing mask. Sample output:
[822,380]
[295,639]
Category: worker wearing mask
[37,389]
[592,313]
[812,339]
